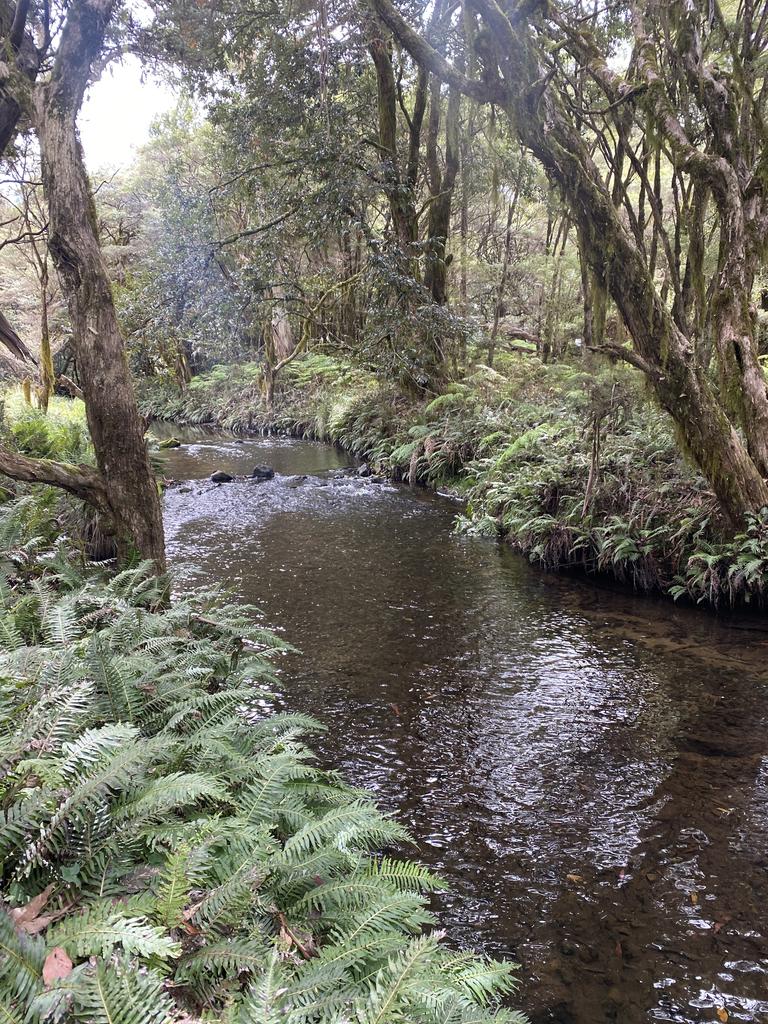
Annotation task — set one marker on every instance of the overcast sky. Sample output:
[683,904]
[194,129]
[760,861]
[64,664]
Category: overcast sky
[117,113]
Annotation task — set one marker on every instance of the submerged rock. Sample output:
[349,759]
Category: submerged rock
[294,481]
[262,473]
[220,477]
[169,442]
[364,470]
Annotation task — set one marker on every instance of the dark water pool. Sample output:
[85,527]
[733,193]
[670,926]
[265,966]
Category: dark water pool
[588,770]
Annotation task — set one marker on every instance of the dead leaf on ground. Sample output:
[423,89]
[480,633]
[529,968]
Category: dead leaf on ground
[722,1014]
[575,878]
[57,965]
[27,918]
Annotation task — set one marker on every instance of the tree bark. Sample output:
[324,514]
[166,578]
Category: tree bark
[441,187]
[116,429]
[82,481]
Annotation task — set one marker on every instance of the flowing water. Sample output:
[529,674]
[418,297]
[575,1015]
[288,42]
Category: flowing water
[587,769]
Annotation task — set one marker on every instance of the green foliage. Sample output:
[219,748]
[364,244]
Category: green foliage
[182,851]
[60,434]
[731,571]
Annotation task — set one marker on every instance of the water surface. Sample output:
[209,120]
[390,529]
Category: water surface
[587,769]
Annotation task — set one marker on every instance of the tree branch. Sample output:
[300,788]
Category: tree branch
[82,481]
[427,56]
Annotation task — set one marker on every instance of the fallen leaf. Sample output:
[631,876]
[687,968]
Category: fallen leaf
[31,910]
[722,1014]
[57,965]
[37,924]
[694,897]
[574,878]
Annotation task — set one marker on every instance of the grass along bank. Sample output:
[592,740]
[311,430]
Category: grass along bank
[575,469]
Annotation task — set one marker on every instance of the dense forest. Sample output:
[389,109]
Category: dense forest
[514,252]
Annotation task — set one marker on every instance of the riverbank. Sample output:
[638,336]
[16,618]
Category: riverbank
[167,842]
[576,470]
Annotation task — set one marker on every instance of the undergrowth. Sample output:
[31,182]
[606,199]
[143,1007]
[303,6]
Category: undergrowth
[169,850]
[62,435]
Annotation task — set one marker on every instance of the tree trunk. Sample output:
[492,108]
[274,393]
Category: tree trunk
[132,498]
[399,189]
[441,187]
[47,376]
[465,168]
[283,341]
[20,52]
[499,303]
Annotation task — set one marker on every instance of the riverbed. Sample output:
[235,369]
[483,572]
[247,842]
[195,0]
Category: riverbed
[586,768]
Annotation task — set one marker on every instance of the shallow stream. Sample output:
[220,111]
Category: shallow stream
[587,769]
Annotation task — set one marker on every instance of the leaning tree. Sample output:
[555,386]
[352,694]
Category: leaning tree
[49,58]
[679,122]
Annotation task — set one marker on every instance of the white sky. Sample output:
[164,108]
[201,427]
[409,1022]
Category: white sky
[117,113]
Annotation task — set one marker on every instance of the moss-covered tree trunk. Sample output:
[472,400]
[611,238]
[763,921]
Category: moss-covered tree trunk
[129,488]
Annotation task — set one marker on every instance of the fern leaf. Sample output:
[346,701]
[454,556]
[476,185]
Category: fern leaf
[21,965]
[121,995]
[100,930]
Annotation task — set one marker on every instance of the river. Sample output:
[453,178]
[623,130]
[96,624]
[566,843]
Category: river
[587,769]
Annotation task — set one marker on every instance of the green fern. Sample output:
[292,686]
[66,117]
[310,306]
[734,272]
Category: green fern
[187,854]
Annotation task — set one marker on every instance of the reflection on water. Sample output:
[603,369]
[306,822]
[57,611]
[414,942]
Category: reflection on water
[588,770]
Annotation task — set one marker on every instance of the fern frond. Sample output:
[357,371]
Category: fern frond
[349,827]
[110,994]
[100,930]
[405,874]
[21,966]
[392,984]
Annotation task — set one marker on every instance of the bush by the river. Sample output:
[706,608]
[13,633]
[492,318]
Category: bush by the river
[575,467]
[169,850]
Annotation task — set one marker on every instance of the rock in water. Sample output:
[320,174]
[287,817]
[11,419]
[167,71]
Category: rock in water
[169,442]
[220,477]
[364,470]
[263,473]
